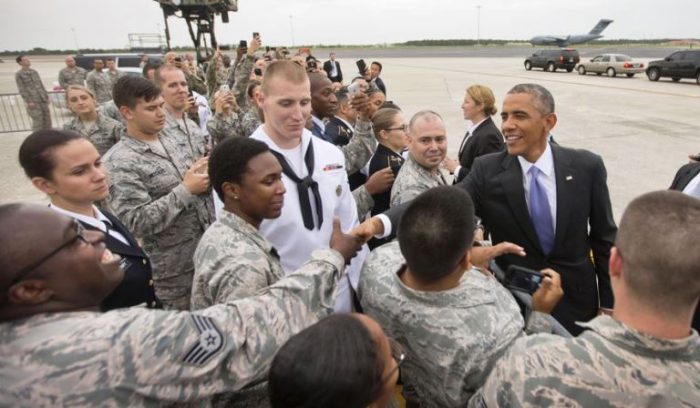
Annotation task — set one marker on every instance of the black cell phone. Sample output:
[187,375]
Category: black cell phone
[395,164]
[243,44]
[258,71]
[523,279]
[256,34]
[361,66]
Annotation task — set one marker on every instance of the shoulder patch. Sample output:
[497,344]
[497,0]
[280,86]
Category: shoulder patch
[210,341]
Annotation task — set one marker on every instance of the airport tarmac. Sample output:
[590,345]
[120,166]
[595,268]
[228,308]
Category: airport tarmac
[643,130]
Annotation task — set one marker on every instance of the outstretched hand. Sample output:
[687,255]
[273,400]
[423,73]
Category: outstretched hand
[346,244]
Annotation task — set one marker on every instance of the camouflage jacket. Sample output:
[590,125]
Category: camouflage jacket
[232,261]
[360,148]
[138,357]
[75,76]
[148,196]
[105,134]
[30,87]
[237,124]
[238,80]
[110,110]
[412,180]
[114,75]
[610,365]
[100,84]
[187,134]
[452,338]
[195,83]
[363,200]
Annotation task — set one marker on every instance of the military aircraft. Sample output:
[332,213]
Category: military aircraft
[199,16]
[566,40]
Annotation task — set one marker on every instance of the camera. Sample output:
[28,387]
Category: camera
[523,279]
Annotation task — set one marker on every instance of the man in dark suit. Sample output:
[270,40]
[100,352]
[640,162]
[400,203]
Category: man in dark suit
[687,180]
[332,68]
[375,69]
[547,211]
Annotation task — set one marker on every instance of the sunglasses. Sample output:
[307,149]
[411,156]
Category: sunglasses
[79,235]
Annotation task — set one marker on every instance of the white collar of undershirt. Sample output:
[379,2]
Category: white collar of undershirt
[346,122]
[545,163]
[319,122]
[476,125]
[97,221]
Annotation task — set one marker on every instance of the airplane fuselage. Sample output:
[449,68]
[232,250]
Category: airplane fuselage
[563,41]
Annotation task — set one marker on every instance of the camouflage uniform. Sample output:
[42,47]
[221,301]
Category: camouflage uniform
[137,357]
[237,124]
[114,76]
[363,200]
[232,261]
[412,180]
[216,76]
[195,83]
[105,134]
[187,134]
[238,80]
[110,110]
[148,196]
[71,76]
[32,91]
[452,338]
[360,148]
[610,365]
[100,84]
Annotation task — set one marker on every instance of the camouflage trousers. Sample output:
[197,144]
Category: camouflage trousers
[41,117]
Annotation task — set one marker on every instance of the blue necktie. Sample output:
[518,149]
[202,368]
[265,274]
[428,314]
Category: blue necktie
[540,213]
[317,131]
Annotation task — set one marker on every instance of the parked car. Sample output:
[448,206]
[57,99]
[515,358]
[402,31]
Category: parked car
[551,60]
[128,63]
[611,64]
[680,64]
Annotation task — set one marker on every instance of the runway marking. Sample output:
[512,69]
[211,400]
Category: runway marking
[645,91]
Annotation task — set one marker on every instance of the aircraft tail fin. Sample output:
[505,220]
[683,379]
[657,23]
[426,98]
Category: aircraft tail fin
[602,24]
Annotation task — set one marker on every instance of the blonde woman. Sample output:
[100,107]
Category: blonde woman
[102,131]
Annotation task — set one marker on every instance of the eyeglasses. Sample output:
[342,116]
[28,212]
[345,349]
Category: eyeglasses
[404,128]
[398,354]
[79,234]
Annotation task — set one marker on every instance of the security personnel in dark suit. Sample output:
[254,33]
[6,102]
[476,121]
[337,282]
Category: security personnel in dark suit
[332,68]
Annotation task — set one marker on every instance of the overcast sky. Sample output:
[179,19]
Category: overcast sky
[26,24]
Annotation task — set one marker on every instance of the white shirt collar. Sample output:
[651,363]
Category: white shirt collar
[545,163]
[97,221]
[476,125]
[319,122]
[262,135]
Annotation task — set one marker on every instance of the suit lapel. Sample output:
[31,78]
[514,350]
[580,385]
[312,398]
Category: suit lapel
[566,190]
[512,181]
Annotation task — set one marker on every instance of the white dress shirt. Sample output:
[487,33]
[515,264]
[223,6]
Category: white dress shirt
[545,164]
[97,222]
[293,241]
[692,188]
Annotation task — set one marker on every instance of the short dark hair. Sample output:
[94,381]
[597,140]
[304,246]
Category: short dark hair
[659,245]
[251,87]
[36,151]
[19,58]
[435,231]
[334,363]
[229,160]
[378,64]
[109,59]
[544,101]
[129,89]
[149,66]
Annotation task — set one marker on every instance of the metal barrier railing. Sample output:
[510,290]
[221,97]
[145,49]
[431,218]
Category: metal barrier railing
[14,116]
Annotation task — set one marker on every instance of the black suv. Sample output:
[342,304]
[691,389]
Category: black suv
[551,60]
[680,64]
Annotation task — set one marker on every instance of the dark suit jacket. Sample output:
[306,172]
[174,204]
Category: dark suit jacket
[485,139]
[327,67]
[137,286]
[683,177]
[378,162]
[495,183]
[338,133]
[380,84]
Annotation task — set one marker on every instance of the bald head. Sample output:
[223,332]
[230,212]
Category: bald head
[323,100]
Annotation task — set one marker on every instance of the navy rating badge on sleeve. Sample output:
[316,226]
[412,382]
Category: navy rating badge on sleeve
[210,341]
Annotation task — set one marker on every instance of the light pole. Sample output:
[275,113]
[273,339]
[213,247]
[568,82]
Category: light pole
[478,24]
[75,39]
[291,26]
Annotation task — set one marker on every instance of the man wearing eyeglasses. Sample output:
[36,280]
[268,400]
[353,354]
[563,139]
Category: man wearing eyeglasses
[427,147]
[59,350]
